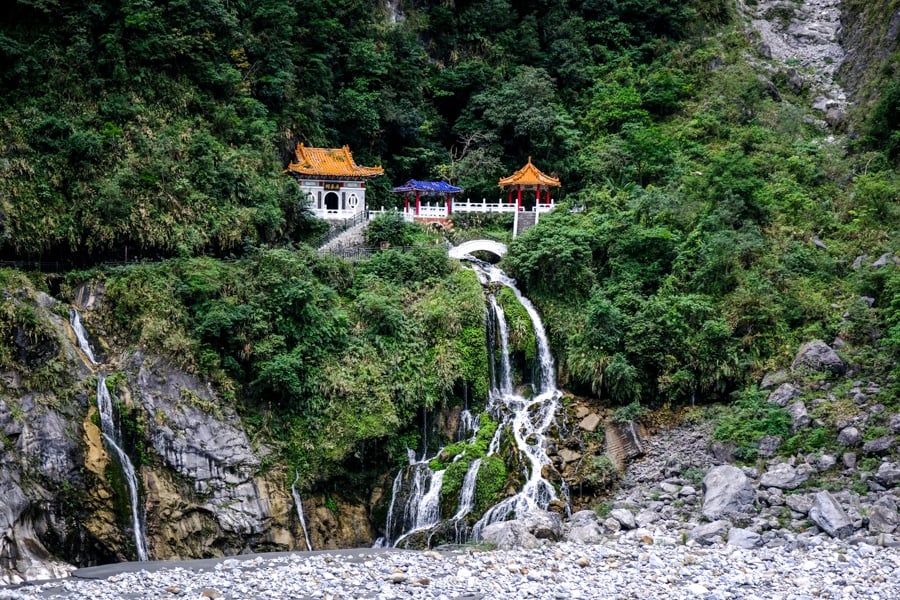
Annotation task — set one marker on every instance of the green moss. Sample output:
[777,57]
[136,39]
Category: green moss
[521,329]
[490,484]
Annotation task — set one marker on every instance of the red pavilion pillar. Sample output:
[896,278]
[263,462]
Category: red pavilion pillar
[417,203]
[448,205]
[518,197]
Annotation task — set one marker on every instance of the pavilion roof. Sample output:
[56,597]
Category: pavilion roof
[529,175]
[328,162]
[427,187]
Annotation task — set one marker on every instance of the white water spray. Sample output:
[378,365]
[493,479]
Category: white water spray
[527,419]
[113,440]
[81,335]
[299,505]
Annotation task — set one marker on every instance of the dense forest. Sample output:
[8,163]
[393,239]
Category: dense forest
[711,219]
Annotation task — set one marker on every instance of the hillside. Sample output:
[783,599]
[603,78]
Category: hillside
[730,196]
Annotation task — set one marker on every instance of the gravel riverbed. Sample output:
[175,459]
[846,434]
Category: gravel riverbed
[671,569]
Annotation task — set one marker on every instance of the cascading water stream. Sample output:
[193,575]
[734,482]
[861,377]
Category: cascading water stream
[111,435]
[81,335]
[296,495]
[466,499]
[527,419]
[422,508]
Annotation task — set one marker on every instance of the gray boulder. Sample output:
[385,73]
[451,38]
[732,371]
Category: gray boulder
[828,514]
[624,517]
[726,492]
[799,503]
[784,393]
[710,533]
[883,519]
[510,535]
[849,436]
[543,524]
[744,538]
[880,446]
[799,416]
[784,477]
[888,474]
[817,356]
[611,525]
[585,533]
[769,445]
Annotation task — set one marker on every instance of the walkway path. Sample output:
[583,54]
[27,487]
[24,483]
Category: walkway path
[355,237]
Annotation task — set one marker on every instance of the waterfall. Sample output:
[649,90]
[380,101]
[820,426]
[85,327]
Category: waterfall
[415,496]
[113,440]
[466,499]
[422,508]
[299,506]
[504,383]
[81,335]
[527,419]
[469,423]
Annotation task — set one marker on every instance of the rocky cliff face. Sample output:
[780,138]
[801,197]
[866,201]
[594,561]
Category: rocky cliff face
[871,35]
[830,51]
[203,490]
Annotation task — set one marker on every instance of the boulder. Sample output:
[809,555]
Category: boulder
[817,356]
[726,492]
[883,519]
[510,535]
[888,474]
[710,533]
[590,422]
[744,538]
[884,260]
[799,503]
[880,446]
[828,514]
[585,533]
[771,380]
[611,525]
[769,445]
[799,416]
[783,476]
[784,393]
[849,436]
[543,524]
[624,517]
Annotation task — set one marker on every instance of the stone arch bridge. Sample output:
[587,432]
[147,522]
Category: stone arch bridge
[467,248]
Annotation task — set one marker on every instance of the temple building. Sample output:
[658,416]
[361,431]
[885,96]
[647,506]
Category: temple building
[332,181]
[433,200]
[531,179]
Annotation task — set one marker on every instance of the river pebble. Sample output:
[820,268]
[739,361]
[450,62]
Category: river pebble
[832,569]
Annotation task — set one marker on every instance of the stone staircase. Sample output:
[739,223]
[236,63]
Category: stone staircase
[526,220]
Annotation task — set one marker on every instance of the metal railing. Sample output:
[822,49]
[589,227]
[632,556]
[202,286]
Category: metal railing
[339,227]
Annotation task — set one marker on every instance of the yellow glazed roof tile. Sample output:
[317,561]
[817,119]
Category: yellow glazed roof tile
[529,175]
[328,162]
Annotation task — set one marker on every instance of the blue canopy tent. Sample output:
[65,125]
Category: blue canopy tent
[428,188]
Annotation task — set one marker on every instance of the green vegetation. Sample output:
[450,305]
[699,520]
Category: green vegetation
[707,225]
[328,362]
[751,417]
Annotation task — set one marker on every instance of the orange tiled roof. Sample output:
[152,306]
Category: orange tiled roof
[529,175]
[328,162]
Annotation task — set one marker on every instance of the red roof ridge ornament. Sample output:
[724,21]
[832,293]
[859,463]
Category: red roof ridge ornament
[529,176]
